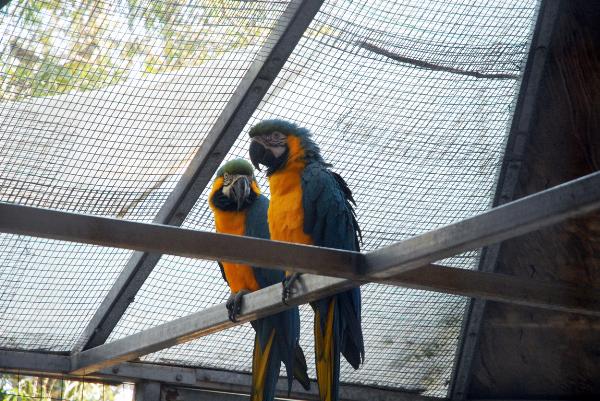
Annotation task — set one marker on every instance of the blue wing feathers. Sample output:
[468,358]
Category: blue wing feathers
[330,220]
[256,218]
[328,213]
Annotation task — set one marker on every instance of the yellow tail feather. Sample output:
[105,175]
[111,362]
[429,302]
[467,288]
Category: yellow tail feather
[324,351]
[260,363]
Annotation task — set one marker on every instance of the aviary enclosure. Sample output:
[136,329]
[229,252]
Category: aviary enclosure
[468,132]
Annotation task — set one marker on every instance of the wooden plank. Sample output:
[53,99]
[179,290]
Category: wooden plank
[310,287]
[256,305]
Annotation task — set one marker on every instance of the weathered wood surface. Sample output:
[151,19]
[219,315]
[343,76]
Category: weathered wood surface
[527,353]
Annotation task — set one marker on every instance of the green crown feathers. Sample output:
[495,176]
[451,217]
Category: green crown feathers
[236,167]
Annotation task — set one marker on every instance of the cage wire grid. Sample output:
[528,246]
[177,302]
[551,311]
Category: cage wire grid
[102,106]
[420,148]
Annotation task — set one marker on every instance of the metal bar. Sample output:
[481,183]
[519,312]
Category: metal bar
[518,138]
[519,217]
[55,365]
[270,59]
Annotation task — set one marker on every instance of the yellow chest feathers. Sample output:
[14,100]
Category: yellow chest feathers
[286,214]
[229,222]
[239,276]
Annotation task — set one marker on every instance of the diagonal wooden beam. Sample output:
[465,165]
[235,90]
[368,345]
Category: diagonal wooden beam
[510,220]
[310,287]
[256,305]
[270,59]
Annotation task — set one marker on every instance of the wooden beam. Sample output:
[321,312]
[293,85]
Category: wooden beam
[256,305]
[500,288]
[58,365]
[310,287]
[147,391]
[157,238]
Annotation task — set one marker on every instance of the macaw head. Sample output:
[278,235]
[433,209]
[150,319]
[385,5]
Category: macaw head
[235,187]
[274,142]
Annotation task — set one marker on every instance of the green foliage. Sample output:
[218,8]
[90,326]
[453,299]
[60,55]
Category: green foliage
[55,46]
[29,388]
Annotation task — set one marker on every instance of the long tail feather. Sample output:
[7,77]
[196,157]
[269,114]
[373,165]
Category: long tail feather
[265,370]
[352,346]
[300,368]
[326,354]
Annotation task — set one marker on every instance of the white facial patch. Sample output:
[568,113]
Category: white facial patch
[277,151]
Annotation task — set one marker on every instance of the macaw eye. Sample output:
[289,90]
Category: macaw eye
[276,138]
[227,179]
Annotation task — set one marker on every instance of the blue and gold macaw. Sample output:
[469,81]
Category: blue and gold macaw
[312,205]
[239,208]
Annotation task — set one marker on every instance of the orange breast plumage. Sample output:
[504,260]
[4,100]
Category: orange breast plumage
[239,276]
[286,213]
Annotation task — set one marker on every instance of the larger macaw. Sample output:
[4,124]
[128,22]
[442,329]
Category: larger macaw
[239,208]
[312,205]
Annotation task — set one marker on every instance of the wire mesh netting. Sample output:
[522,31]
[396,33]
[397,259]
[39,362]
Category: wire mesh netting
[102,106]
[411,102]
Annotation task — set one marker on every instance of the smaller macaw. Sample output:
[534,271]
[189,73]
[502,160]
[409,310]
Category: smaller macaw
[239,208]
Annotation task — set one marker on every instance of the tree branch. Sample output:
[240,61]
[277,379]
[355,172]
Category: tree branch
[434,67]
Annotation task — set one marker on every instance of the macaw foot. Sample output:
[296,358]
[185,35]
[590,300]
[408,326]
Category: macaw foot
[288,283]
[234,304]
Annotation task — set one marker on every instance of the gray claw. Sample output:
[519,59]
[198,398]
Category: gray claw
[229,305]
[234,304]
[288,283]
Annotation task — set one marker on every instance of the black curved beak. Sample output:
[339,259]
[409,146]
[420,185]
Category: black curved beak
[240,190]
[257,154]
